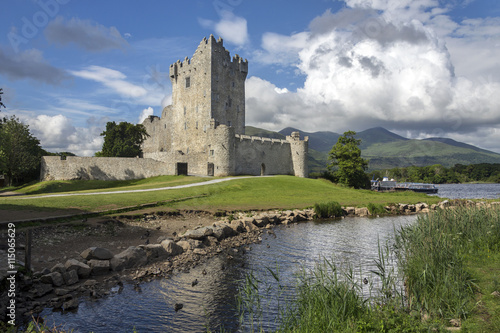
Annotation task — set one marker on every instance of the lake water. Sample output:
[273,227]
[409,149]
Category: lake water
[469,191]
[212,302]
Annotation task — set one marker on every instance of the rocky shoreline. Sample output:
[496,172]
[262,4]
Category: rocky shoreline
[97,271]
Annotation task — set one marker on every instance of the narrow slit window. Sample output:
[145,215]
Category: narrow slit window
[188,82]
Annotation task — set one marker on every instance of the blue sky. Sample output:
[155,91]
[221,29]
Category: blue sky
[420,68]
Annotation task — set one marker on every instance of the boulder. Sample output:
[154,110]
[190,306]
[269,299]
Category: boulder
[98,253]
[58,268]
[349,211]
[54,278]
[41,289]
[154,251]
[171,248]
[70,277]
[362,212]
[99,267]
[238,226]
[131,257]
[185,245]
[222,231]
[71,304]
[83,270]
[199,233]
[261,221]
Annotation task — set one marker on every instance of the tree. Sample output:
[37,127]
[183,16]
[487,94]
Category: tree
[1,93]
[20,151]
[122,140]
[347,163]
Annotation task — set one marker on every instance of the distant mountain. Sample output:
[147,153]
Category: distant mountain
[377,135]
[387,150]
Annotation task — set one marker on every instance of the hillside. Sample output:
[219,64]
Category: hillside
[387,150]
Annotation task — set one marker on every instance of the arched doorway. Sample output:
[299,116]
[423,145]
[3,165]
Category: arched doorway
[262,169]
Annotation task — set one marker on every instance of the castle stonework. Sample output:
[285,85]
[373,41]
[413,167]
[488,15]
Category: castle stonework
[201,133]
[204,128]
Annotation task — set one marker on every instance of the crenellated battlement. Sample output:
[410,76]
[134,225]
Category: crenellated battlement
[243,137]
[215,49]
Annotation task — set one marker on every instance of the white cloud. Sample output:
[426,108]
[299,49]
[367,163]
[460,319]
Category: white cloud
[144,114]
[112,79]
[57,133]
[398,64]
[230,27]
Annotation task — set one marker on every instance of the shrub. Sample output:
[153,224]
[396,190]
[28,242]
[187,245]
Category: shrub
[329,209]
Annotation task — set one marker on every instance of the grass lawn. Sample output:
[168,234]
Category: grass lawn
[280,192]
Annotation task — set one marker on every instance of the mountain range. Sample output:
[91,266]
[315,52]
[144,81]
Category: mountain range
[387,150]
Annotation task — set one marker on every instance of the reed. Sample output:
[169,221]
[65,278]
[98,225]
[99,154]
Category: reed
[432,256]
[328,209]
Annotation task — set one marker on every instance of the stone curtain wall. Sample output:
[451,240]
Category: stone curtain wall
[100,168]
[262,156]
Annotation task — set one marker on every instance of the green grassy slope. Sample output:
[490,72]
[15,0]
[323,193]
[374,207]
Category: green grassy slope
[279,192]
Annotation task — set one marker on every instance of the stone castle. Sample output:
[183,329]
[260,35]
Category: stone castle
[201,133]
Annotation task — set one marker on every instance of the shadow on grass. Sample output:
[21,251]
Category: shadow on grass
[18,212]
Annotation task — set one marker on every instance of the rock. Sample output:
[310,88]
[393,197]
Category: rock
[349,211]
[71,304]
[90,283]
[70,277]
[154,251]
[99,267]
[172,248]
[61,291]
[83,270]
[261,221]
[41,289]
[249,225]
[58,268]
[362,212]
[98,253]
[54,278]
[131,257]
[496,293]
[185,245]
[222,231]
[238,226]
[444,204]
[199,233]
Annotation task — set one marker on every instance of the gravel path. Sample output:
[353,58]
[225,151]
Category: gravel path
[209,182]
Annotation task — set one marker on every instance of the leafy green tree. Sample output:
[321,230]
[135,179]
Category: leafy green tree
[122,140]
[1,93]
[347,163]
[20,151]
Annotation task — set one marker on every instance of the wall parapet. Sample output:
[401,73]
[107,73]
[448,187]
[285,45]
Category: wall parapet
[242,137]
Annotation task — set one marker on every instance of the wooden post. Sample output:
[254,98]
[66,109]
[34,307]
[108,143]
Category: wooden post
[27,251]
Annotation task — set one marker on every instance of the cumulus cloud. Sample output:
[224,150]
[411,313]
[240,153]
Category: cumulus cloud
[112,79]
[144,114]
[30,64]
[230,27]
[385,63]
[57,133]
[86,34]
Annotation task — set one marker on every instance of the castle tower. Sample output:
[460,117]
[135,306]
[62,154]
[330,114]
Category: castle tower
[208,90]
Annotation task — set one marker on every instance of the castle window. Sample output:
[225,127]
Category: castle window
[196,125]
[165,125]
[232,83]
[211,152]
[229,123]
[229,101]
[184,110]
[185,126]
[205,128]
[188,82]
